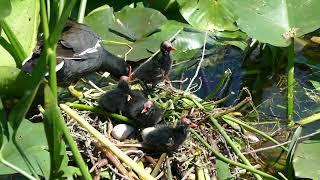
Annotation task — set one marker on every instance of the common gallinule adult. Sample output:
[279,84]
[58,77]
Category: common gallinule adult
[131,103]
[80,52]
[166,138]
[156,70]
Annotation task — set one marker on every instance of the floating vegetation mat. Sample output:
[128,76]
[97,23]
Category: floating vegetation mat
[213,149]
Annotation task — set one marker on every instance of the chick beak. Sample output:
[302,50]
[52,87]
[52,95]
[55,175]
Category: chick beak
[172,48]
[144,110]
[130,73]
[192,125]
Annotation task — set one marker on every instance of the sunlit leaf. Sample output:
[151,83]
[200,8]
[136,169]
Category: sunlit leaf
[24,22]
[31,139]
[128,28]
[306,159]
[207,15]
[267,21]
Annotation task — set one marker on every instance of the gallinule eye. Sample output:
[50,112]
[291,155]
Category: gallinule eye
[80,52]
[115,101]
[158,67]
[165,138]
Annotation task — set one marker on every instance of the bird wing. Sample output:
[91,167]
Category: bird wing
[78,41]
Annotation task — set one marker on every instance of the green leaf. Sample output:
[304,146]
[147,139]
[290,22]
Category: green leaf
[223,170]
[31,139]
[127,28]
[306,159]
[12,81]
[23,22]
[267,21]
[5,9]
[207,15]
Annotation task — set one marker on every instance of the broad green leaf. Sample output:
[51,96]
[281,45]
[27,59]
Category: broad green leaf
[5,8]
[12,81]
[267,21]
[128,28]
[292,148]
[31,139]
[23,21]
[223,170]
[207,15]
[306,159]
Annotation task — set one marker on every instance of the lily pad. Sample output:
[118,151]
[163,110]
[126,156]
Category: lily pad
[24,22]
[207,15]
[31,139]
[268,21]
[126,29]
[306,159]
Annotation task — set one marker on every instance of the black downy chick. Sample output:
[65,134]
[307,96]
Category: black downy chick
[142,110]
[115,101]
[79,53]
[165,138]
[157,69]
[131,103]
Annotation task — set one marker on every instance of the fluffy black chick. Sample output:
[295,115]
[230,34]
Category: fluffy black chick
[115,101]
[157,69]
[165,138]
[142,110]
[79,53]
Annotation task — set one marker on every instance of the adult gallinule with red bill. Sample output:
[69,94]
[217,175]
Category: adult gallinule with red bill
[80,52]
[157,69]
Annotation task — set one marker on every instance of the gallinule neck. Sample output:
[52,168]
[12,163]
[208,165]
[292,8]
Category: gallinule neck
[158,67]
[80,52]
[165,138]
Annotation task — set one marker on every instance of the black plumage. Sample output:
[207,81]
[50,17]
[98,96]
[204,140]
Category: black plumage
[142,110]
[131,103]
[80,52]
[115,101]
[157,69]
[164,138]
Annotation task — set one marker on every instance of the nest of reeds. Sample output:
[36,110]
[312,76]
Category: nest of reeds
[216,141]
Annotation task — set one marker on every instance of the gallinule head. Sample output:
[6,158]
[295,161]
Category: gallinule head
[142,110]
[115,100]
[165,138]
[80,52]
[156,70]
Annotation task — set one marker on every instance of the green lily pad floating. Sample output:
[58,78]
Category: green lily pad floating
[24,22]
[32,141]
[306,159]
[273,21]
[207,15]
[127,29]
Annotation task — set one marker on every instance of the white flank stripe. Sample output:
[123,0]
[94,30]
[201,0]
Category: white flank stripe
[92,49]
